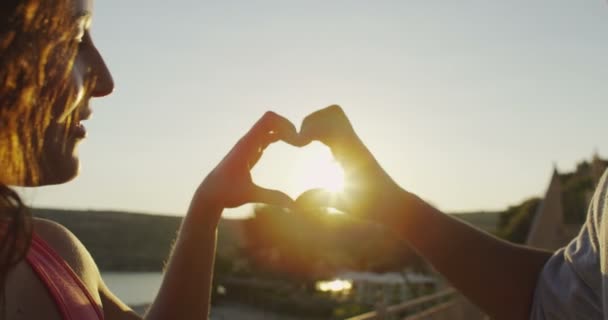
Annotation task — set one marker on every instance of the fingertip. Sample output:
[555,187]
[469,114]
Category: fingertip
[301,141]
[312,198]
[282,200]
[294,139]
[307,133]
[273,197]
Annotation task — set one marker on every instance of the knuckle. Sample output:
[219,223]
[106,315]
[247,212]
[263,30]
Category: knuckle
[316,116]
[306,129]
[269,120]
[334,108]
[270,115]
[306,120]
[306,123]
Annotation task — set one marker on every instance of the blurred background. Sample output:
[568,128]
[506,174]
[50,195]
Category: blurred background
[471,105]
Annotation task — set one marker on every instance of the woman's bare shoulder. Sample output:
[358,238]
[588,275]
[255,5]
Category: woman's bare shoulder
[69,247]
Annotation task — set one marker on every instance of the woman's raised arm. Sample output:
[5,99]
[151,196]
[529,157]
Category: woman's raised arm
[186,288]
[498,276]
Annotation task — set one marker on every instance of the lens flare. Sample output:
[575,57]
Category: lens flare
[333,177]
[295,171]
[333,211]
[327,173]
[334,286]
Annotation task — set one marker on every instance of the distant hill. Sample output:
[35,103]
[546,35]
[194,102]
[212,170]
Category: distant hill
[120,241]
[577,188]
[125,241]
[485,220]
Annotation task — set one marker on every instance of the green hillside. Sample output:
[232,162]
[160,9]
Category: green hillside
[485,220]
[577,188]
[120,241]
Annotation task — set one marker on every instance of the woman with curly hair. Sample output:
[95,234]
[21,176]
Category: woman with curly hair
[50,69]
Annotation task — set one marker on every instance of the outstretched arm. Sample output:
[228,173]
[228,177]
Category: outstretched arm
[186,288]
[498,276]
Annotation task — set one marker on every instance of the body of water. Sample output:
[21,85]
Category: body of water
[133,288]
[140,288]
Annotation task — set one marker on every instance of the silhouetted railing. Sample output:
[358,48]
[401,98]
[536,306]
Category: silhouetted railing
[447,304]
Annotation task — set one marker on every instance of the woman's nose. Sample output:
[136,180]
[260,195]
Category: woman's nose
[104,84]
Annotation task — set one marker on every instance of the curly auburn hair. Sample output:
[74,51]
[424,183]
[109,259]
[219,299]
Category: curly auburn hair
[33,34]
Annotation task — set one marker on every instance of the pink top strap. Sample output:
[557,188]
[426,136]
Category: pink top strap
[71,296]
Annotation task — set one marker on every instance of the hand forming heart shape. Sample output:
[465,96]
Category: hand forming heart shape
[367,186]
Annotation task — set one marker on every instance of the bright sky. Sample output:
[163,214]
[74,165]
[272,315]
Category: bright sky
[466,103]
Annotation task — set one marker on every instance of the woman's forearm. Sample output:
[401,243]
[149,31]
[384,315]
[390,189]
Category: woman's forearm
[186,288]
[498,276]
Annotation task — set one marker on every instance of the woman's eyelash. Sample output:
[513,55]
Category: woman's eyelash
[79,36]
[81,29]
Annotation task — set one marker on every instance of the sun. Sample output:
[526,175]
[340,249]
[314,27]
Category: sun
[323,171]
[329,176]
[297,170]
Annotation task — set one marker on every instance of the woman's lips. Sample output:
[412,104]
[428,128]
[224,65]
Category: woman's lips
[79,131]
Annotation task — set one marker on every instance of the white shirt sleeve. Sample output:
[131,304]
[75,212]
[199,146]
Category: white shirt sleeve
[571,284]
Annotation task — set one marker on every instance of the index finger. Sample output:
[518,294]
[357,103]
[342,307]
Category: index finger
[326,125]
[270,128]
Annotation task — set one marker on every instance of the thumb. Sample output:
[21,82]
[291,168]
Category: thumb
[320,198]
[271,197]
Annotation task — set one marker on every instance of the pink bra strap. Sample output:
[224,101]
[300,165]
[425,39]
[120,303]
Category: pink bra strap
[71,296]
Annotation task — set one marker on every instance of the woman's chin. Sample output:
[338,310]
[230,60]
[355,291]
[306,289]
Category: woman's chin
[61,172]
[57,168]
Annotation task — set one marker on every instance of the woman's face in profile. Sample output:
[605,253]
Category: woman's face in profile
[89,77]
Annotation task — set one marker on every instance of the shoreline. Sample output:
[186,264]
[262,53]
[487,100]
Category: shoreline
[236,311]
